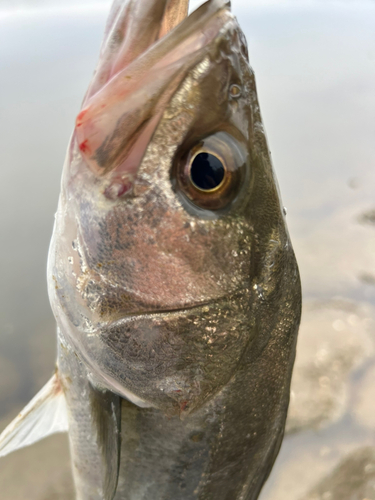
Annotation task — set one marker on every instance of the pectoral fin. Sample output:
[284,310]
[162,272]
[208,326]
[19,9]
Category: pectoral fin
[45,415]
[106,419]
[94,416]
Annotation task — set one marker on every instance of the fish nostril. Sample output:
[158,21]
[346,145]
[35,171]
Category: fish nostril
[235,91]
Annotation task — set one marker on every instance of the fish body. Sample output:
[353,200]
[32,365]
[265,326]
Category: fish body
[171,274]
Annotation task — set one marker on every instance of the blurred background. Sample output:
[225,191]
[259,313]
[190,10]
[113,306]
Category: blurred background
[315,67]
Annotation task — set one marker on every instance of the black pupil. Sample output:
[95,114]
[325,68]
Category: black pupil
[207,172]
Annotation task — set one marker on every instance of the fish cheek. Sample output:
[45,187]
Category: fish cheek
[141,257]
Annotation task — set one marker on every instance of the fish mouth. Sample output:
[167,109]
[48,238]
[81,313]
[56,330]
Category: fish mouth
[131,90]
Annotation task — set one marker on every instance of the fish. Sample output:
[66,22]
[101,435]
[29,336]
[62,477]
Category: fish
[171,273]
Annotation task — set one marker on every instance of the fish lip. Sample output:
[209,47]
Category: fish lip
[138,94]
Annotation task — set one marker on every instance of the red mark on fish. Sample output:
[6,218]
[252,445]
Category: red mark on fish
[84,146]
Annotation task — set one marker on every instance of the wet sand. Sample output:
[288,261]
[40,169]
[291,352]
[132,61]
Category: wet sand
[315,69]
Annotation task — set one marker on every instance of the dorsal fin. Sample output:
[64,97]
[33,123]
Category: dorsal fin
[45,415]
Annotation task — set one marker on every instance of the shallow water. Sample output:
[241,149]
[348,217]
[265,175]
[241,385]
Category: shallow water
[315,68]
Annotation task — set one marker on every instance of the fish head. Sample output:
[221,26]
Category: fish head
[169,232]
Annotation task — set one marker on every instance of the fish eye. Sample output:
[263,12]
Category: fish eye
[207,172]
[211,172]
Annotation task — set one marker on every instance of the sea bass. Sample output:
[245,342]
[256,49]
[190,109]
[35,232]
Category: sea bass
[171,274]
